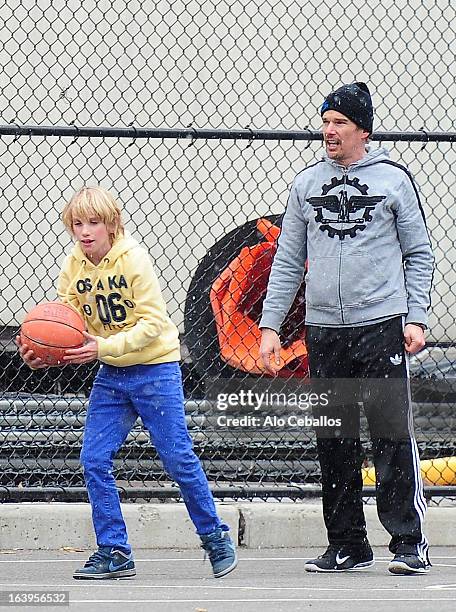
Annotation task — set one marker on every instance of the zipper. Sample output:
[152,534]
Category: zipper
[344,197]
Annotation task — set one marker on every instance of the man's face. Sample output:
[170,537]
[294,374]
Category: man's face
[345,142]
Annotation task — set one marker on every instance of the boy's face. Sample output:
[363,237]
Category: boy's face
[93,236]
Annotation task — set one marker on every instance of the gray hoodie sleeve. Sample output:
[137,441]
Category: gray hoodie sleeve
[288,267]
[416,251]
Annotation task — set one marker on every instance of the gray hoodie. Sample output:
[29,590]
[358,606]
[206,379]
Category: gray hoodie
[362,231]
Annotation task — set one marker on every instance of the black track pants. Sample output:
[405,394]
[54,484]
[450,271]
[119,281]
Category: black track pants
[375,352]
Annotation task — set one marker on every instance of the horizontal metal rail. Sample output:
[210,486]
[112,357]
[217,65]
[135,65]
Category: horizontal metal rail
[191,133]
[235,491]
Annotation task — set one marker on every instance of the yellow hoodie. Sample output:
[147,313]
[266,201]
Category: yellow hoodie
[121,302]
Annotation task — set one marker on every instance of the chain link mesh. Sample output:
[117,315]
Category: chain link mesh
[196,203]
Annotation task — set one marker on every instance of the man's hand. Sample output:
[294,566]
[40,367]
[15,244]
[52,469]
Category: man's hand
[84,354]
[33,362]
[414,338]
[270,348]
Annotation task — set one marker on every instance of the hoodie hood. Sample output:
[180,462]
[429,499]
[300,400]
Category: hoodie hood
[372,156]
[122,245]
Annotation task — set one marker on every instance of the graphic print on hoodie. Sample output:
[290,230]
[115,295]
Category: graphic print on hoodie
[340,212]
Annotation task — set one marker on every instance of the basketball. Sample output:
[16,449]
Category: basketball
[50,328]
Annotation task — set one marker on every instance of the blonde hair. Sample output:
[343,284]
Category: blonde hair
[94,202]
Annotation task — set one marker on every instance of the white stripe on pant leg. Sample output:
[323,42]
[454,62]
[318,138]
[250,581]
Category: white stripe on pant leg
[419,493]
[418,498]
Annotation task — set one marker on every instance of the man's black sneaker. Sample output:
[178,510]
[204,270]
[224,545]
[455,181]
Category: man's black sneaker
[408,564]
[342,559]
[107,562]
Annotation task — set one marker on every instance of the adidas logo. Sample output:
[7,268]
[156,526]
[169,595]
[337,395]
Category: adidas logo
[396,360]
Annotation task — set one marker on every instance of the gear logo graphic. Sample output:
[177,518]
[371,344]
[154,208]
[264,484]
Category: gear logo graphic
[340,213]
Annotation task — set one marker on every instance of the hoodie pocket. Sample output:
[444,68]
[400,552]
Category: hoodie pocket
[363,280]
[322,283]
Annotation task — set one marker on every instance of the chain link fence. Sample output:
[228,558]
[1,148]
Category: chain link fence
[196,115]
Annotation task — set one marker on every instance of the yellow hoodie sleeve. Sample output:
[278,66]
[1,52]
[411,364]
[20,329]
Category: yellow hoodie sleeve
[150,309]
[65,292]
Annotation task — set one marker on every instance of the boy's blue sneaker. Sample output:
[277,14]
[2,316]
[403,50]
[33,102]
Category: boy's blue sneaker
[221,550]
[107,562]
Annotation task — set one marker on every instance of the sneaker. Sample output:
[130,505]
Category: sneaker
[107,562]
[342,559]
[407,564]
[222,553]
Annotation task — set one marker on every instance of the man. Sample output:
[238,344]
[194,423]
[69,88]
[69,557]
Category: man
[356,219]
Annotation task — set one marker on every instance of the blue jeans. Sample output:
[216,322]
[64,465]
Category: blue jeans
[119,395]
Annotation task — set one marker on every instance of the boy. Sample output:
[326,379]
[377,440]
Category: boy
[109,278]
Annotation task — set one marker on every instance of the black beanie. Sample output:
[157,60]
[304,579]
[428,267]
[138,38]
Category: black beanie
[354,101]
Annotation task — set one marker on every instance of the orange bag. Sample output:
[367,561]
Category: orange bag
[237,296]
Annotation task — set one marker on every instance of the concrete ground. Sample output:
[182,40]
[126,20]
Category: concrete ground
[41,544]
[271,580]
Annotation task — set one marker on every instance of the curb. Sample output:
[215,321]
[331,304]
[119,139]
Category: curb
[51,526]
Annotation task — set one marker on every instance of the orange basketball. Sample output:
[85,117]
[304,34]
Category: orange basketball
[50,328]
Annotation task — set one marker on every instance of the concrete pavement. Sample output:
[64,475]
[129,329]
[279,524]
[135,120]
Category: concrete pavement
[270,580]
